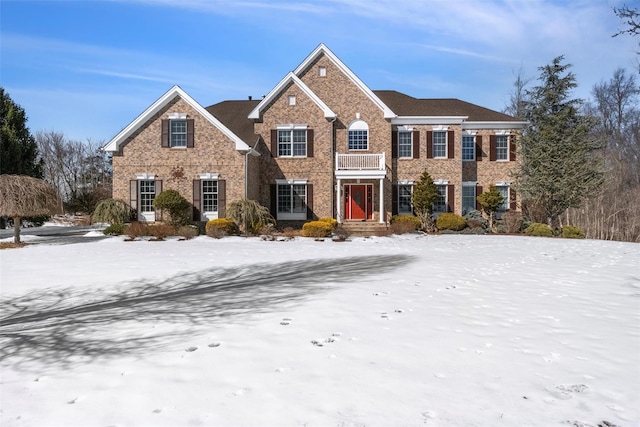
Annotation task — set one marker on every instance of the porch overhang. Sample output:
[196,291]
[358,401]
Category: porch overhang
[360,174]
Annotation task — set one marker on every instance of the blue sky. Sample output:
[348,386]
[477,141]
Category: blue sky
[89,68]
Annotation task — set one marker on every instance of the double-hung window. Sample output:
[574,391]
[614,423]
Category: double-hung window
[504,191]
[405,144]
[178,133]
[209,195]
[404,198]
[292,142]
[292,200]
[147,188]
[441,203]
[502,147]
[440,144]
[468,197]
[468,147]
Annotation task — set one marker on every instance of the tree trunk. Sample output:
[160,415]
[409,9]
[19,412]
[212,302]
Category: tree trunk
[16,229]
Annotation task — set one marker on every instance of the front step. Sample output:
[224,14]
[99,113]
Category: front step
[366,229]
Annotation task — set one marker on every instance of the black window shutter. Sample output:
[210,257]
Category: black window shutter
[196,200]
[451,137]
[478,192]
[273,193]
[478,148]
[133,199]
[451,197]
[394,200]
[512,202]
[512,148]
[222,198]
[416,144]
[394,144]
[165,133]
[429,144]
[492,148]
[158,185]
[274,143]
[190,133]
[310,214]
[309,142]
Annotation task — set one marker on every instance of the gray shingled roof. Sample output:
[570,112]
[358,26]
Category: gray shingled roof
[405,105]
[234,115]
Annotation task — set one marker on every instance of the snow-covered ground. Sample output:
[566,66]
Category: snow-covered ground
[393,331]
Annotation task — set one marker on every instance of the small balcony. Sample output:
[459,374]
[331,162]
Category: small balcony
[360,165]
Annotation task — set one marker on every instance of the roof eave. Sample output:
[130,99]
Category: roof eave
[519,124]
[428,120]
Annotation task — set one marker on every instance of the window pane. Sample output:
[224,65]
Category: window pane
[147,194]
[299,198]
[441,204]
[439,144]
[404,144]
[468,198]
[178,133]
[468,147]
[358,139]
[502,147]
[209,196]
[404,199]
[284,198]
[504,190]
[300,143]
[284,143]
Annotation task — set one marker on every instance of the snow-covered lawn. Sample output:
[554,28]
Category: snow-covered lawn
[392,331]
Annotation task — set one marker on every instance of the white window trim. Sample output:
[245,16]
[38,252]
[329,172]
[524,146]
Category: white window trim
[291,216]
[292,100]
[439,128]
[149,216]
[145,176]
[508,201]
[208,176]
[292,127]
[405,182]
[474,185]
[446,143]
[322,71]
[177,116]
[409,130]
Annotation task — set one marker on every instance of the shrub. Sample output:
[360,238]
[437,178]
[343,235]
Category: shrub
[539,229]
[137,229]
[161,231]
[290,232]
[340,233]
[332,221]
[221,227]
[250,215]
[450,221]
[175,204]
[111,211]
[114,230]
[316,229]
[571,232]
[475,219]
[187,231]
[512,221]
[409,220]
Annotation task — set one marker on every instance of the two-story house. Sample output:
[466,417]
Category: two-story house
[319,144]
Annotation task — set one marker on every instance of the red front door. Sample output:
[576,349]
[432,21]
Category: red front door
[358,201]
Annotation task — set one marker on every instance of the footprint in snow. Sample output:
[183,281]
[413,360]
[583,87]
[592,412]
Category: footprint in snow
[191,349]
[214,344]
[566,392]
[286,321]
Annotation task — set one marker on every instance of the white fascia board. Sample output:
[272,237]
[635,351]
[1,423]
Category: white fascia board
[428,120]
[388,114]
[125,133]
[495,125]
[291,78]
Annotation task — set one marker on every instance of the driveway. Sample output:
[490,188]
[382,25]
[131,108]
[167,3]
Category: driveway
[56,235]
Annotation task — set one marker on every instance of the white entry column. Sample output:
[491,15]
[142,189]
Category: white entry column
[381,201]
[338,201]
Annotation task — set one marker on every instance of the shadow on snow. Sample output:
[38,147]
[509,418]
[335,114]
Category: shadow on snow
[69,325]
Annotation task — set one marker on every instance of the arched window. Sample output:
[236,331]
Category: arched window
[358,135]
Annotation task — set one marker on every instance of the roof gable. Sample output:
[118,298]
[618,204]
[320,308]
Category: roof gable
[324,50]
[256,113]
[171,94]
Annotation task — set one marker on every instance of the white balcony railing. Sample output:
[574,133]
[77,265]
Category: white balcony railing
[355,162]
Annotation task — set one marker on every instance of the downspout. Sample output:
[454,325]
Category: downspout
[333,166]
[253,152]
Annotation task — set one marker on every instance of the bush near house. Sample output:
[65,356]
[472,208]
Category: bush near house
[571,232]
[111,211]
[177,206]
[137,229]
[317,229]
[512,221]
[331,221]
[221,227]
[539,230]
[114,230]
[450,221]
[401,224]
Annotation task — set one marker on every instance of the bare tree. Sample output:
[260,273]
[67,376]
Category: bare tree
[518,95]
[22,195]
[631,18]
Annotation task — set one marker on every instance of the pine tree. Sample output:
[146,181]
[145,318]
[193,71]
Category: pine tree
[18,149]
[491,201]
[425,194]
[560,163]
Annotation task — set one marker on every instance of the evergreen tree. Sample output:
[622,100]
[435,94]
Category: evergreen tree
[491,201]
[560,166]
[18,149]
[425,194]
